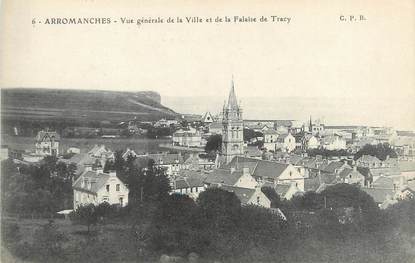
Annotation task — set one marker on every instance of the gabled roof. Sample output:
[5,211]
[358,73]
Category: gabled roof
[97,181]
[43,135]
[223,176]
[259,168]
[191,178]
[349,171]
[244,194]
[270,132]
[333,166]
[368,159]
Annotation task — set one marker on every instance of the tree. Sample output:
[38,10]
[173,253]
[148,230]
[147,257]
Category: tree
[272,196]
[214,143]
[85,215]
[220,209]
[382,151]
[147,184]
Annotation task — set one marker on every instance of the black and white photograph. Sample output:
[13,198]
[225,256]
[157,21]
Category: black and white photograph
[207,131]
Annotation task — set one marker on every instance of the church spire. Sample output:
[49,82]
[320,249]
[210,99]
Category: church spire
[232,101]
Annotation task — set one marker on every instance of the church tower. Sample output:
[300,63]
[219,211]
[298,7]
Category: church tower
[233,128]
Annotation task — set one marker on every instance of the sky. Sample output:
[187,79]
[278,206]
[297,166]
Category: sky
[314,56]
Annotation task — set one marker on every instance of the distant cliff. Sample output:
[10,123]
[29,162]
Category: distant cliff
[81,105]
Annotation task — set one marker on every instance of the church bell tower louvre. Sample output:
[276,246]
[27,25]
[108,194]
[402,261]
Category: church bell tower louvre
[232,122]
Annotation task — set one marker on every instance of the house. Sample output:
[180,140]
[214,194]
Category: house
[73,150]
[196,163]
[163,123]
[310,142]
[231,177]
[189,182]
[269,171]
[248,196]
[47,143]
[129,152]
[95,187]
[171,162]
[352,176]
[333,142]
[368,161]
[285,142]
[270,139]
[207,119]
[187,138]
[102,152]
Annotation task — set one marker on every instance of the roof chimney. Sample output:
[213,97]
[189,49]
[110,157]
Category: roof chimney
[99,170]
[232,170]
[112,173]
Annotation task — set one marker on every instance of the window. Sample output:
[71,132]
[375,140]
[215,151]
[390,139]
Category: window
[291,173]
[196,189]
[257,199]
[108,187]
[117,187]
[121,201]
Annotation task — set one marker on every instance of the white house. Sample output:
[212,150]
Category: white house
[269,171]
[187,138]
[95,187]
[333,142]
[286,142]
[47,143]
[270,139]
[189,182]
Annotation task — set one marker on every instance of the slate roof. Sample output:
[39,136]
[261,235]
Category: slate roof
[270,132]
[259,168]
[97,181]
[190,178]
[347,171]
[332,167]
[244,194]
[368,159]
[295,159]
[223,176]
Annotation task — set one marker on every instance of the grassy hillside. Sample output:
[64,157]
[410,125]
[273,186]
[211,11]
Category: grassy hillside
[79,105]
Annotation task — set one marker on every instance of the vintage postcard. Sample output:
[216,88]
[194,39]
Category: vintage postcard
[207,131]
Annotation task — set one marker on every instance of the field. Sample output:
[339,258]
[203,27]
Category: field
[137,144]
[81,105]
